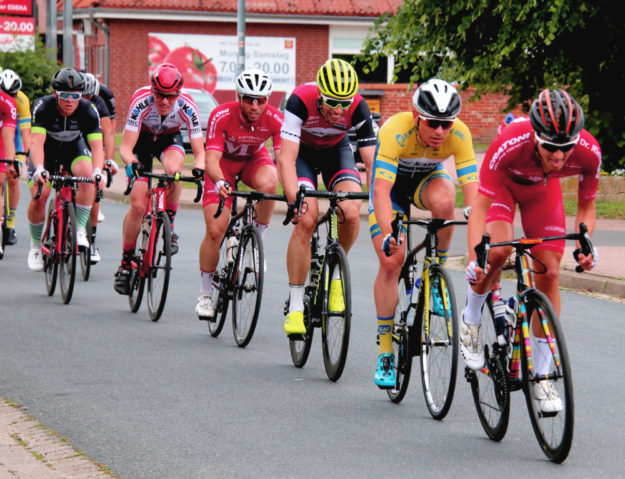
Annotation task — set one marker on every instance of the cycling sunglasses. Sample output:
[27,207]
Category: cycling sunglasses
[165,96]
[553,147]
[250,100]
[336,103]
[69,95]
[434,124]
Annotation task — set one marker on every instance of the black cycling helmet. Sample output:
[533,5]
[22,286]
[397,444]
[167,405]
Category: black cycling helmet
[556,116]
[437,99]
[167,78]
[68,79]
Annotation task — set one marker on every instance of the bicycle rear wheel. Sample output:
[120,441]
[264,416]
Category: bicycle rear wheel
[336,316]
[554,430]
[221,280]
[160,266]
[404,316]
[489,385]
[50,264]
[248,287]
[67,258]
[5,216]
[439,344]
[299,345]
[85,254]
[137,285]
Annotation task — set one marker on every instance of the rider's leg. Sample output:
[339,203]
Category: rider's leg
[438,195]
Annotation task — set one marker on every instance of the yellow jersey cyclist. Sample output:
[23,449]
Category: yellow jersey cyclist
[408,169]
[11,84]
[314,141]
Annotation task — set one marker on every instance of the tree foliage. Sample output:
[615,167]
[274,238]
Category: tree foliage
[520,47]
[34,69]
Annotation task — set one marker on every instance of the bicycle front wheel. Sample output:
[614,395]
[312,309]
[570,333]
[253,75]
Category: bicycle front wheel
[50,265]
[221,281]
[160,266]
[137,285]
[489,385]
[85,255]
[67,271]
[248,287]
[552,424]
[5,216]
[300,345]
[404,318]
[439,344]
[336,314]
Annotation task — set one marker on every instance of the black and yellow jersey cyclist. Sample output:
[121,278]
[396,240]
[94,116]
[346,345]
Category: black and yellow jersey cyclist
[408,169]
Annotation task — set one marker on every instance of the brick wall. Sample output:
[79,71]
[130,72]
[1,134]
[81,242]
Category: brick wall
[129,66]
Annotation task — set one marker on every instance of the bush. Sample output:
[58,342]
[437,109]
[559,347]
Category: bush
[34,68]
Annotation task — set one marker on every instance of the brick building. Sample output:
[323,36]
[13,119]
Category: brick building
[117,40]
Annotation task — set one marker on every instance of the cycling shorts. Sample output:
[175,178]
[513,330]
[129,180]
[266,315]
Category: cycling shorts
[336,164]
[541,207]
[232,169]
[59,155]
[407,190]
[149,146]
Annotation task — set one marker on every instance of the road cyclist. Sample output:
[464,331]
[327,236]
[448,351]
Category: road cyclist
[153,130]
[408,170]
[8,122]
[314,141]
[66,135]
[523,167]
[235,149]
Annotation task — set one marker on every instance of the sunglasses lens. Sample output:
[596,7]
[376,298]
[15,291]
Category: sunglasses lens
[334,103]
[250,100]
[444,124]
[553,147]
[68,95]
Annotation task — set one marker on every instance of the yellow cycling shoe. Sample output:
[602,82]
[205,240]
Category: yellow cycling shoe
[294,323]
[336,301]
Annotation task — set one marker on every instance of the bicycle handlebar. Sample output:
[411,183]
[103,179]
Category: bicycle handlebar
[164,177]
[482,249]
[333,196]
[64,180]
[251,195]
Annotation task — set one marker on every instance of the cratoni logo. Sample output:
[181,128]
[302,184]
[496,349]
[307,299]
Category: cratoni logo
[505,146]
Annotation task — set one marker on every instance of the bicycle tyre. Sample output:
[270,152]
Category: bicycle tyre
[160,266]
[248,286]
[554,432]
[137,286]
[67,256]
[5,215]
[299,345]
[404,315]
[85,254]
[336,325]
[439,345]
[489,386]
[50,263]
[221,282]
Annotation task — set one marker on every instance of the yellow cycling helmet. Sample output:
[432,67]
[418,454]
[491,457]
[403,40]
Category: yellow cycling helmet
[338,79]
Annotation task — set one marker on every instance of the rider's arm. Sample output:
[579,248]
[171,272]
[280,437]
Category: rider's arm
[8,137]
[287,173]
[477,222]
[367,153]
[36,148]
[213,170]
[382,205]
[129,140]
[586,213]
[199,155]
[108,138]
[97,151]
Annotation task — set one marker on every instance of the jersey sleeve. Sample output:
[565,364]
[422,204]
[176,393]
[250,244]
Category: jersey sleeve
[589,178]
[23,110]
[388,151]
[294,116]
[191,115]
[90,126]
[464,154]
[215,131]
[363,123]
[8,111]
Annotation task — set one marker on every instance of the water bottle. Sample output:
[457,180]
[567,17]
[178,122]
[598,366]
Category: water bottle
[232,246]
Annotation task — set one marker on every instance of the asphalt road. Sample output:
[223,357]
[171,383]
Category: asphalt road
[166,400]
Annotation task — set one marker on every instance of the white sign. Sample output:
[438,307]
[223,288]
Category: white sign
[210,61]
[17,33]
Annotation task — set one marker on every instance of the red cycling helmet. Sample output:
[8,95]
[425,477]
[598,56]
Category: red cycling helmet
[167,78]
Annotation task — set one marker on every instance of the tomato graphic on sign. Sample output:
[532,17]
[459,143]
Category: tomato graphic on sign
[157,51]
[197,70]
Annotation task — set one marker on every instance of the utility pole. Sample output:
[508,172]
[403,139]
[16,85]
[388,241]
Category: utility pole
[68,44]
[51,45]
[241,36]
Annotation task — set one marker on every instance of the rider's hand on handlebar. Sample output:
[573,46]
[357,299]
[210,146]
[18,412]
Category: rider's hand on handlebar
[111,166]
[587,262]
[223,188]
[474,273]
[40,175]
[97,175]
[198,174]
[134,169]
[390,246]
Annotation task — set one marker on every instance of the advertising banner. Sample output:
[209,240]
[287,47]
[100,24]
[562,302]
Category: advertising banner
[17,33]
[209,62]
[16,7]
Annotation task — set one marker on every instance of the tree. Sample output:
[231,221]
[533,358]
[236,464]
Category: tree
[519,47]
[34,69]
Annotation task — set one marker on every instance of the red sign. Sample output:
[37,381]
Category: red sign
[17,33]
[16,7]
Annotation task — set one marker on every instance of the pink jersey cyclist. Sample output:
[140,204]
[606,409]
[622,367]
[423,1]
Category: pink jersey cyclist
[511,172]
[241,143]
[8,119]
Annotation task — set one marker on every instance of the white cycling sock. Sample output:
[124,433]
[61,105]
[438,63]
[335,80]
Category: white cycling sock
[261,227]
[473,310]
[296,297]
[207,282]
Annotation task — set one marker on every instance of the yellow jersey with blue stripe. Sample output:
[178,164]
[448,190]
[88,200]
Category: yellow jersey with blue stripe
[23,110]
[400,154]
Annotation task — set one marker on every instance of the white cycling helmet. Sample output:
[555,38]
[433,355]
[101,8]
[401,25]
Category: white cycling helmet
[89,84]
[254,83]
[10,82]
[437,99]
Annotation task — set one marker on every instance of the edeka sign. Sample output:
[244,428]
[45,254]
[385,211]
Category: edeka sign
[16,7]
[209,62]
[17,33]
